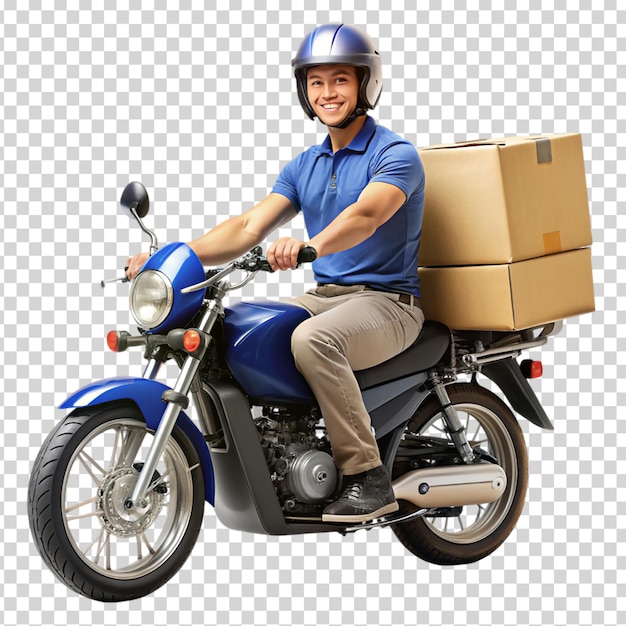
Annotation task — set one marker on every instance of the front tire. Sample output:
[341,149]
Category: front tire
[84,472]
[470,533]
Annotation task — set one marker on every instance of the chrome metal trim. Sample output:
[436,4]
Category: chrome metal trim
[512,349]
[210,281]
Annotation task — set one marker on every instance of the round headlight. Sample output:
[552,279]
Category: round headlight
[151,298]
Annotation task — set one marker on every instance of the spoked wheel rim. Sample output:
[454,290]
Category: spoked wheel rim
[99,478]
[484,429]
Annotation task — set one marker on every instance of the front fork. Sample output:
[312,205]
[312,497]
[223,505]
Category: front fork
[177,399]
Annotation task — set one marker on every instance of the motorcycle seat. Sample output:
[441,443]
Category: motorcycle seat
[428,349]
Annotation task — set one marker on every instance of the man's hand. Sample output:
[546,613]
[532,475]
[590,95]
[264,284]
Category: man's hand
[135,263]
[283,253]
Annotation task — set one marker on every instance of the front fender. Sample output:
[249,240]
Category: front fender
[146,394]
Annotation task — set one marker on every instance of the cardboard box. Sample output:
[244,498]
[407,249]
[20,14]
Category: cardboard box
[504,200]
[510,296]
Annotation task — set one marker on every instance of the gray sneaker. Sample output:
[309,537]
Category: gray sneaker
[365,496]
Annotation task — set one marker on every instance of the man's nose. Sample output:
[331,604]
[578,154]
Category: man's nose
[329,91]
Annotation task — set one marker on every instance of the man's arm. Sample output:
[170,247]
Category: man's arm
[239,234]
[235,236]
[377,203]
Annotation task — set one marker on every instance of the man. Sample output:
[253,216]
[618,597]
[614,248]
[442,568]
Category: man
[361,193]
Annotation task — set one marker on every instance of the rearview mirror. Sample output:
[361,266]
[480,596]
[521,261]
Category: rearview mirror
[135,199]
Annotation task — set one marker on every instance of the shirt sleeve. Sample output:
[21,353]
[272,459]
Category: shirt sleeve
[400,165]
[286,185]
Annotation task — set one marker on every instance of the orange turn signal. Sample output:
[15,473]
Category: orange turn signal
[113,340]
[192,340]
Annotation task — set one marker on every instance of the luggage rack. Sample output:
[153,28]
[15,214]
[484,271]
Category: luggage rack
[471,352]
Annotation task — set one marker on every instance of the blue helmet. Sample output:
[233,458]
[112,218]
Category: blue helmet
[340,44]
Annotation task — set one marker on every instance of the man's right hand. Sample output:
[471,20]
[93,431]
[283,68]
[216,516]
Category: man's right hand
[283,253]
[135,263]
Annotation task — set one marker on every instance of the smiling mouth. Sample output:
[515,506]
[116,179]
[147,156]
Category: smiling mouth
[331,107]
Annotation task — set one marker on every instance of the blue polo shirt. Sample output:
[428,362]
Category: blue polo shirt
[322,184]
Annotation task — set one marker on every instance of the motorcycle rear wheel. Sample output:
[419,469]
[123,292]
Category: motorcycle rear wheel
[84,472]
[472,532]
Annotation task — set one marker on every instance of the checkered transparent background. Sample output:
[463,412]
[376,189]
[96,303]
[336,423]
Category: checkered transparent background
[199,104]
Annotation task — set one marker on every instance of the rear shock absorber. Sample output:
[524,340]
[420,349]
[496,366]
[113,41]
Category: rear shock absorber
[451,418]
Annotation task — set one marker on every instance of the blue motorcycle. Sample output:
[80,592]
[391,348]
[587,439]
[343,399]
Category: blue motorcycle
[117,492]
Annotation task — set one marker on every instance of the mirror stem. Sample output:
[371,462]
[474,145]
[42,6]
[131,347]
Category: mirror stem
[154,246]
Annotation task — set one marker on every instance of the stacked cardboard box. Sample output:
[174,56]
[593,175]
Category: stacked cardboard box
[506,233]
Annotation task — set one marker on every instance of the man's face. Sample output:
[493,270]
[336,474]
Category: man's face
[333,92]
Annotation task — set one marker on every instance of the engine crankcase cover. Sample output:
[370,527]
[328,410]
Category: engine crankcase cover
[312,477]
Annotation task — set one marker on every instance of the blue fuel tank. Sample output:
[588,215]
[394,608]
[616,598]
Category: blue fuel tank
[258,339]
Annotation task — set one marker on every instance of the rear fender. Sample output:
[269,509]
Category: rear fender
[508,376]
[146,395]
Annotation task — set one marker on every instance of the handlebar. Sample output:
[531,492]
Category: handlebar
[308,254]
[252,262]
[255,261]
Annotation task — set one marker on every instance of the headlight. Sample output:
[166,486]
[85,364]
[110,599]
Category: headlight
[151,299]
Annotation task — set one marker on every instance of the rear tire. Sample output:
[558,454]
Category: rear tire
[85,470]
[475,531]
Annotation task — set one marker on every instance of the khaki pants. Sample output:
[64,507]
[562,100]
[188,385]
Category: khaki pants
[351,328]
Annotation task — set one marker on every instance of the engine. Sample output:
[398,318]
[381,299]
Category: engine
[299,458]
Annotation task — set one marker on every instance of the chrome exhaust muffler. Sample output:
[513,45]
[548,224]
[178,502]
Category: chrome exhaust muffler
[458,485]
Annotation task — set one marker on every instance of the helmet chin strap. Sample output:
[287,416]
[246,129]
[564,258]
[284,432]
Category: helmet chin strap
[358,112]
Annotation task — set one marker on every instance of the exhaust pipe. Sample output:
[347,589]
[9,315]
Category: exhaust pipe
[459,485]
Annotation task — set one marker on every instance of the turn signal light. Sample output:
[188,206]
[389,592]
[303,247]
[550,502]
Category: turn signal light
[192,340]
[120,340]
[531,369]
[113,340]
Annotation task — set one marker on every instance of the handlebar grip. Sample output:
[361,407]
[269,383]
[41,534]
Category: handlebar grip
[308,254]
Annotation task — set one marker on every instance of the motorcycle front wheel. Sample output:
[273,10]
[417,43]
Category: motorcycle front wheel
[466,534]
[81,478]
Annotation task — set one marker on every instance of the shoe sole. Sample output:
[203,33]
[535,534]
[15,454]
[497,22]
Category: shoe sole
[366,517]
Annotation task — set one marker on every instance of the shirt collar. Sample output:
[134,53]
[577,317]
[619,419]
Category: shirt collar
[359,143]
